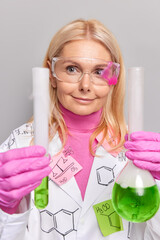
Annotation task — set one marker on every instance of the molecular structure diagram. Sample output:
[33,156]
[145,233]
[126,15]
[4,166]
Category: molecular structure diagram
[112,216]
[112,220]
[61,221]
[105,175]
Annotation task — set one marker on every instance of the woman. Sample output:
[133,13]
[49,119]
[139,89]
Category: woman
[87,130]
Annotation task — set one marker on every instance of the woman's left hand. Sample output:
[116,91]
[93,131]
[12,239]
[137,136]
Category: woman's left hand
[144,151]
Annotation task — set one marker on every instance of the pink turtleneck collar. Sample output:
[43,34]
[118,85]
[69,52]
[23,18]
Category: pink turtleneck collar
[80,129]
[81,123]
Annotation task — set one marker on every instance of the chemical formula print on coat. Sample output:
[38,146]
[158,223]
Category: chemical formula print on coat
[57,223]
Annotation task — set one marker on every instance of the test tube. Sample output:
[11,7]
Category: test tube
[135,99]
[40,77]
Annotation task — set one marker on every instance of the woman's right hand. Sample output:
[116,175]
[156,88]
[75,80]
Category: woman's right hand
[21,171]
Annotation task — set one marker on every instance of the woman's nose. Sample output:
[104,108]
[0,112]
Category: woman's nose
[85,83]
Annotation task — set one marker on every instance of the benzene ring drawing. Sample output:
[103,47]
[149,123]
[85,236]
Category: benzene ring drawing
[105,175]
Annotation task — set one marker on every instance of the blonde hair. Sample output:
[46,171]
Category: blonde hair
[113,112]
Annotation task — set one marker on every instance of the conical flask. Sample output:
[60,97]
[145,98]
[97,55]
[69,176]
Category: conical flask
[135,195]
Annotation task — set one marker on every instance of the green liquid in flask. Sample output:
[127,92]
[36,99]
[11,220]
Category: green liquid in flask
[41,194]
[136,205]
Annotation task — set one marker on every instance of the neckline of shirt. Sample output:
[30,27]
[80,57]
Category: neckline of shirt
[81,123]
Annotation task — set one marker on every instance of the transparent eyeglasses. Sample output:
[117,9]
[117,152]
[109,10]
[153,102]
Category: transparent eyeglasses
[72,70]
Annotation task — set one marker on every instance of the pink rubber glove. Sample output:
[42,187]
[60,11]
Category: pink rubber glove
[144,151]
[21,171]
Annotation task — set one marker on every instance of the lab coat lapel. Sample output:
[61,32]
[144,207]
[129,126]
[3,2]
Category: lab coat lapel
[103,173]
[71,187]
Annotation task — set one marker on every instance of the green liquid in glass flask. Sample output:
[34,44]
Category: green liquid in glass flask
[136,204]
[135,195]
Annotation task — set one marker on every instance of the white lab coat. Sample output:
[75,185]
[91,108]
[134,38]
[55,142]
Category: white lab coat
[67,217]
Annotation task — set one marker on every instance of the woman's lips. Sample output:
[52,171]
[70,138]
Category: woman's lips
[83,100]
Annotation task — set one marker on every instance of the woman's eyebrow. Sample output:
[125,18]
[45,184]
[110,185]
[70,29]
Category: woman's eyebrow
[79,63]
[70,61]
[101,65]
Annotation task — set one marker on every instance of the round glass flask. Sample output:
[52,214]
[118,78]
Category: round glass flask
[135,195]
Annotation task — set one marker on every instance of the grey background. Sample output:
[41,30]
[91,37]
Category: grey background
[27,26]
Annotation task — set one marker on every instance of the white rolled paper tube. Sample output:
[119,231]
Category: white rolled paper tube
[135,99]
[40,77]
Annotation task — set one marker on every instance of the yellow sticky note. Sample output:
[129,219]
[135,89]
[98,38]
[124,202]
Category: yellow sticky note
[109,221]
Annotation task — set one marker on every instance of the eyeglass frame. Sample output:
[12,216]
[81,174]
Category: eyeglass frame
[54,59]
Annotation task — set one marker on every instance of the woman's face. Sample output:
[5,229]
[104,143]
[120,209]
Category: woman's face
[83,97]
